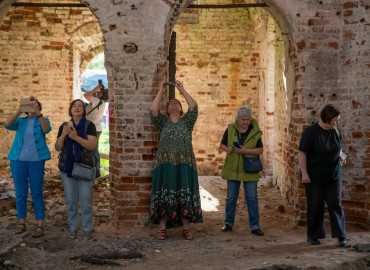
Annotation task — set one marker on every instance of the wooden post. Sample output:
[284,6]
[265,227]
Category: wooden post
[172,65]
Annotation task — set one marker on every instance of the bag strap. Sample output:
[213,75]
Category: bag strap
[338,132]
[97,106]
[239,139]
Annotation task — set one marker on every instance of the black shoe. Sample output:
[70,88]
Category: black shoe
[342,241]
[258,232]
[313,241]
[226,228]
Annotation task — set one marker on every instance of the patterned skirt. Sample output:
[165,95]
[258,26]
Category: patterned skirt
[175,195]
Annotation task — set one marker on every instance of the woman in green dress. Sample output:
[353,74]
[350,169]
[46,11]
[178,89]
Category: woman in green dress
[175,199]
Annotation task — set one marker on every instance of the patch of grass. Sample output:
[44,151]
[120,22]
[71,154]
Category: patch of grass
[104,147]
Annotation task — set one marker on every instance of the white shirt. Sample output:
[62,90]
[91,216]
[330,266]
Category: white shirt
[96,115]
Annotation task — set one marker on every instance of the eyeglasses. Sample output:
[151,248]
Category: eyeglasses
[173,102]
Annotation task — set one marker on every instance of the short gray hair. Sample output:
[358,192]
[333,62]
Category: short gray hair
[244,110]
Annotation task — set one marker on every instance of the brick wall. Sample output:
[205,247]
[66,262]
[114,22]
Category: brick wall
[217,57]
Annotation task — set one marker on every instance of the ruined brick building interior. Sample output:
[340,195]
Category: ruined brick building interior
[285,59]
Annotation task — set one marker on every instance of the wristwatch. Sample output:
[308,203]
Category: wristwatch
[40,115]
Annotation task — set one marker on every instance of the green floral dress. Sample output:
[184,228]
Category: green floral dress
[175,187]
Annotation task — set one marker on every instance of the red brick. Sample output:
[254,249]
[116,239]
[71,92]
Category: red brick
[146,180]
[301,45]
[144,202]
[351,204]
[350,5]
[75,11]
[357,134]
[235,59]
[150,143]
[127,180]
[148,157]
[360,189]
[202,63]
[4,28]
[348,13]
[144,195]
[349,36]
[333,45]
[142,209]
[127,187]
[57,43]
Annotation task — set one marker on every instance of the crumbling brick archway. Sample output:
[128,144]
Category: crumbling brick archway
[258,70]
[322,58]
[134,139]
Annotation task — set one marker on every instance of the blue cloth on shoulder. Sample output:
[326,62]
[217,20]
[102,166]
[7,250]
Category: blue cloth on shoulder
[76,156]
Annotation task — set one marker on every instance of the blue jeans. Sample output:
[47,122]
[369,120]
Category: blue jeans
[250,191]
[29,173]
[98,133]
[75,191]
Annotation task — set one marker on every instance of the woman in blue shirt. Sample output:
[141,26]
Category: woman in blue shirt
[27,162]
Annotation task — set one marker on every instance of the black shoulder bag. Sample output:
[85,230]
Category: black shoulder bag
[251,164]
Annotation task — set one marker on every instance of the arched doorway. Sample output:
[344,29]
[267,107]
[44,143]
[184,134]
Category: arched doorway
[228,57]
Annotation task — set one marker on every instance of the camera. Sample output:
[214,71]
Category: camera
[101,84]
[169,83]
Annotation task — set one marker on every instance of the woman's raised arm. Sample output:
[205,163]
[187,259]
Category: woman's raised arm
[154,108]
[189,100]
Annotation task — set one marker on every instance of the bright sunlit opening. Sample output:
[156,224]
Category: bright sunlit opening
[209,202]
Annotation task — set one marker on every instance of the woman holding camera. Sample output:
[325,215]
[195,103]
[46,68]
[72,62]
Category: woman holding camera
[175,199]
[27,162]
[77,141]
[243,137]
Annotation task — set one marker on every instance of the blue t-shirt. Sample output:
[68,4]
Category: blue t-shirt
[29,149]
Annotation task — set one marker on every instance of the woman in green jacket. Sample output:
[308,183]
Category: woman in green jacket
[246,128]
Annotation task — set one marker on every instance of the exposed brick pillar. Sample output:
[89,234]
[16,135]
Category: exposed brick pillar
[136,63]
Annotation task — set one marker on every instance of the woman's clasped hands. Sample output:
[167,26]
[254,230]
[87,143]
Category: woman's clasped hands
[70,131]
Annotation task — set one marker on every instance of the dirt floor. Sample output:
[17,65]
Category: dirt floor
[284,243]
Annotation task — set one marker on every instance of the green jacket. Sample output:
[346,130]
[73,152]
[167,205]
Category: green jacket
[233,167]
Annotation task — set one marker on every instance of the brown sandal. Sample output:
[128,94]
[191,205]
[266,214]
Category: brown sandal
[187,235]
[162,235]
[38,232]
[21,228]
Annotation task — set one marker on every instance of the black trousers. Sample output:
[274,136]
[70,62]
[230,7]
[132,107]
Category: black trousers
[317,193]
